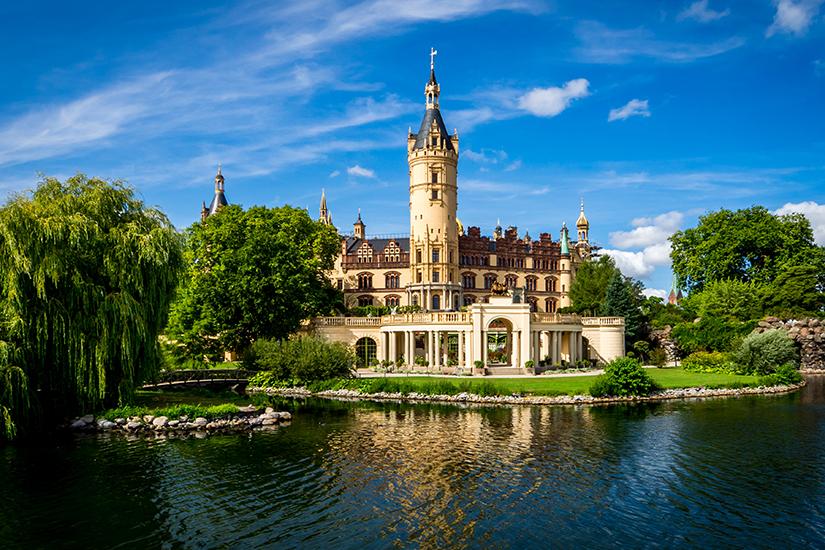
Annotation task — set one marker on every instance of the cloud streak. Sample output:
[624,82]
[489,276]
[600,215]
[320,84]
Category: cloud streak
[634,107]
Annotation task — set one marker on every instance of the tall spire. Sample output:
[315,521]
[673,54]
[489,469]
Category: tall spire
[432,89]
[324,212]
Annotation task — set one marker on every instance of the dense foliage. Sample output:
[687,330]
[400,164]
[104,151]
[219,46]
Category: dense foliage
[761,352]
[88,274]
[623,299]
[623,377]
[253,274]
[709,361]
[785,375]
[749,245]
[302,359]
[711,334]
[588,289]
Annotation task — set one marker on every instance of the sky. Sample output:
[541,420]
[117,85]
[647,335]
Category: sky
[653,113]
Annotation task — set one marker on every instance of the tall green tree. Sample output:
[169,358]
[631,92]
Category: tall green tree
[623,299]
[731,299]
[253,274]
[795,292]
[744,245]
[88,275]
[588,289]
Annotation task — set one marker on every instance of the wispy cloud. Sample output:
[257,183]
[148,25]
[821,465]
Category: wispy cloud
[633,107]
[793,17]
[698,11]
[601,44]
[651,235]
[358,171]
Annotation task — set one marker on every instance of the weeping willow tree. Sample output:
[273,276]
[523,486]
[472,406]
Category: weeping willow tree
[87,272]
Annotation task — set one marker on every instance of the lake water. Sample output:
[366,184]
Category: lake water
[723,473]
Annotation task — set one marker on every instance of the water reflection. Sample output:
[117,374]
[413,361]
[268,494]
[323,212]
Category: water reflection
[714,473]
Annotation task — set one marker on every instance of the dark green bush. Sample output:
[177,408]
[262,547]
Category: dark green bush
[785,375]
[658,357]
[602,386]
[623,377]
[303,359]
[762,352]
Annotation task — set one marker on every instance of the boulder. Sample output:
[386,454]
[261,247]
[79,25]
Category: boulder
[184,418]
[160,421]
[78,424]
[133,425]
[269,421]
[120,421]
[772,319]
[285,415]
[201,421]
[174,423]
[88,419]
[148,418]
[106,425]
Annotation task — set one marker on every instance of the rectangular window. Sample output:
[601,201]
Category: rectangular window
[435,256]
[435,194]
[435,276]
[418,256]
[435,180]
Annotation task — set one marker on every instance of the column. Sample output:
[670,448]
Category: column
[536,347]
[580,339]
[393,346]
[437,356]
[460,356]
[556,347]
[410,348]
[515,355]
[484,347]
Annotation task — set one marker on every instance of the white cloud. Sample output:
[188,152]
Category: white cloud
[699,11]
[631,264]
[815,214]
[513,166]
[358,171]
[633,107]
[651,235]
[658,292]
[486,156]
[335,174]
[548,102]
[601,44]
[793,17]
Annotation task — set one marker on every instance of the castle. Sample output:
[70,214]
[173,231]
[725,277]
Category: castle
[493,300]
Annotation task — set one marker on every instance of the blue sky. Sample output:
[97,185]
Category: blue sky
[653,112]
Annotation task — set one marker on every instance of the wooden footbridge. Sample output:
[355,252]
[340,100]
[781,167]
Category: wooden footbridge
[199,377]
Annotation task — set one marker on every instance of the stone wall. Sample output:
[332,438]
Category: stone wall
[662,338]
[809,335]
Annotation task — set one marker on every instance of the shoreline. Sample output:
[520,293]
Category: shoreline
[664,395]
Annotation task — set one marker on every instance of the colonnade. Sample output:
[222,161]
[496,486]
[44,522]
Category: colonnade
[558,345]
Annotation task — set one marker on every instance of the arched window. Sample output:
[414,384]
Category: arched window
[364,301]
[365,349]
[436,301]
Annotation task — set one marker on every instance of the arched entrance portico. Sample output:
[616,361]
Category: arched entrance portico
[499,342]
[365,351]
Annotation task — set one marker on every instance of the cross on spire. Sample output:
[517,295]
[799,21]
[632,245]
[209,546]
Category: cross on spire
[432,57]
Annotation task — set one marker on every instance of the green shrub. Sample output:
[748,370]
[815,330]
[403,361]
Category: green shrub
[304,359]
[762,352]
[623,377]
[709,361]
[658,357]
[785,375]
[602,386]
[485,388]
[711,334]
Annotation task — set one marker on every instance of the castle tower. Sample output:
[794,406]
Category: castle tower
[358,228]
[565,277]
[432,154]
[583,227]
[219,200]
[324,215]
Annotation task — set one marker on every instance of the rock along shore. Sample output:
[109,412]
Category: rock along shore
[247,418]
[682,393]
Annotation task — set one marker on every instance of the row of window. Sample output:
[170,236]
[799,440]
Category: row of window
[550,304]
[390,281]
[474,260]
[467,281]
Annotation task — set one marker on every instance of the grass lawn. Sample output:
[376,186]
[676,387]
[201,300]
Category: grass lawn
[577,385]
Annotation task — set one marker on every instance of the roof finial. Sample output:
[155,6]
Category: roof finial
[219,169]
[432,58]
[582,204]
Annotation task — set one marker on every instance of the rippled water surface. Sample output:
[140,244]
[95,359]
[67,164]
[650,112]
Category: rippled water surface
[722,473]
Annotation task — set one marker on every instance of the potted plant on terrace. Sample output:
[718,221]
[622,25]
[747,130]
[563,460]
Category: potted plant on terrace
[478,368]
[530,367]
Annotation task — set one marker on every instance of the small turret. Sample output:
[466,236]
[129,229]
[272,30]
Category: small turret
[583,226]
[359,227]
[324,215]
[219,200]
[497,233]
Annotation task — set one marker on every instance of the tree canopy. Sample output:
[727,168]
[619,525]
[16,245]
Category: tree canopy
[749,245]
[623,299]
[88,272]
[253,274]
[588,289]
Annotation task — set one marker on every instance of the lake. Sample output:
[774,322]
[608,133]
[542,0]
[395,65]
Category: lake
[743,472]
